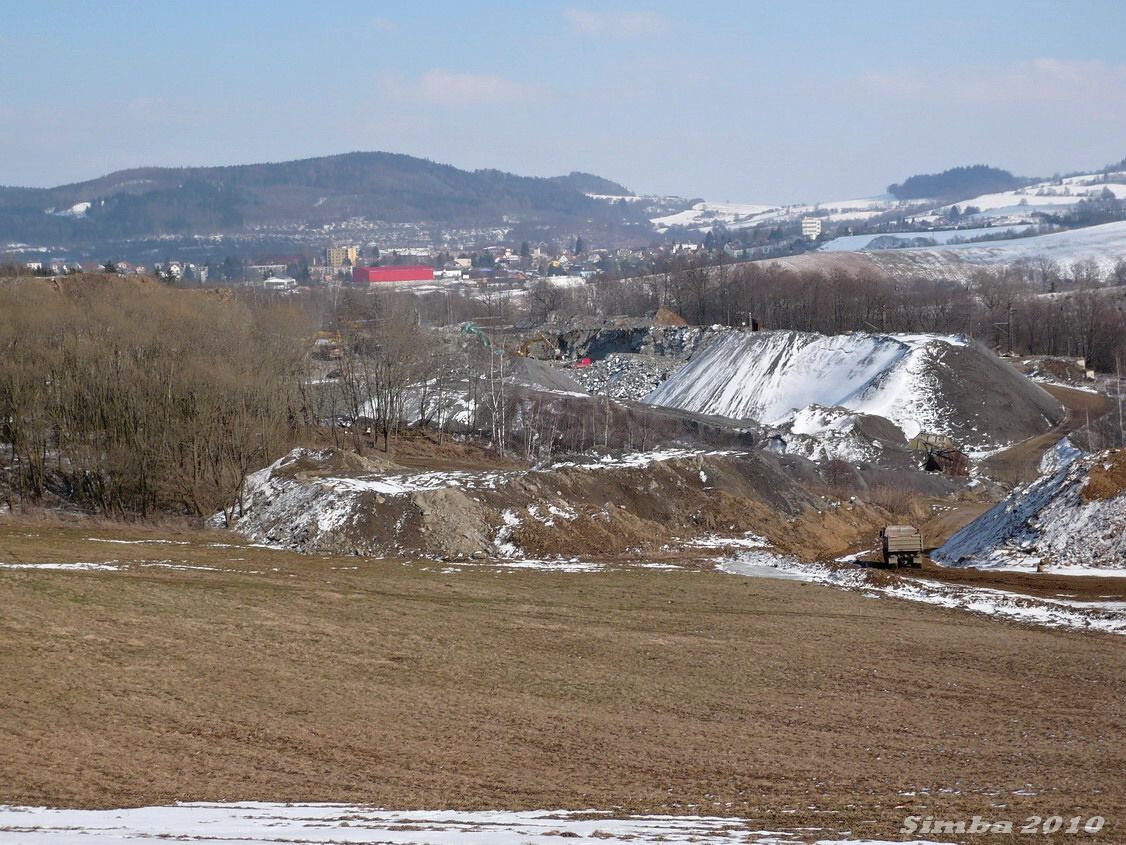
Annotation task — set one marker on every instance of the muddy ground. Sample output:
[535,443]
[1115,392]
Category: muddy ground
[275,676]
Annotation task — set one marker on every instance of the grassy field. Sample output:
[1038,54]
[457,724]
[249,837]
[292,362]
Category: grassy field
[277,677]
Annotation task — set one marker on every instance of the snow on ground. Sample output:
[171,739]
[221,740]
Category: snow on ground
[263,824]
[79,209]
[768,376]
[1047,524]
[730,214]
[885,240]
[1104,245]
[749,540]
[107,566]
[702,216]
[820,434]
[1045,196]
[123,565]
[1109,617]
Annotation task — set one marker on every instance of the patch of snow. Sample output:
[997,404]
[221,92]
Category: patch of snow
[503,542]
[714,541]
[819,434]
[550,565]
[111,566]
[140,542]
[313,824]
[1109,617]
[79,209]
[1059,457]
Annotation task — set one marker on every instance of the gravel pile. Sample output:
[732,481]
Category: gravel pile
[625,375]
[661,352]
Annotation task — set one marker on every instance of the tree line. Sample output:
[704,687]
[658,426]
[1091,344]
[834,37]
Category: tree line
[125,397]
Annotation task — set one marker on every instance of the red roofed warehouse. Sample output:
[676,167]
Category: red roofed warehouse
[396,273]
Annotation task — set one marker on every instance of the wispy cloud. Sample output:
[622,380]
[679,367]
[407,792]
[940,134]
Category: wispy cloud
[1027,82]
[451,88]
[616,23]
[384,25]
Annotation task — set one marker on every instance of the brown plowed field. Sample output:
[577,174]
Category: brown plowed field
[275,676]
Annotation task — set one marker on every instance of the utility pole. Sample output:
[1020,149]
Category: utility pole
[1011,310]
[1118,373]
[1007,327]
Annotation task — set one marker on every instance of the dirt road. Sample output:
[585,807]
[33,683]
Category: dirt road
[1019,463]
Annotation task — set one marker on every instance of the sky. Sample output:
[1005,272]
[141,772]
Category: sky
[731,101]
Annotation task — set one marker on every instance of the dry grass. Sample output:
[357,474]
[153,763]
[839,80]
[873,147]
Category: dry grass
[279,677]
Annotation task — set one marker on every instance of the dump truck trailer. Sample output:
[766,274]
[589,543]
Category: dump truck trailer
[902,544]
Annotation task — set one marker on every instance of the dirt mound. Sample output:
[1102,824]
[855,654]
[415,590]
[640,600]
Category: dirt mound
[820,434]
[540,375]
[1106,479]
[328,462]
[942,384]
[668,317]
[636,503]
[1073,516]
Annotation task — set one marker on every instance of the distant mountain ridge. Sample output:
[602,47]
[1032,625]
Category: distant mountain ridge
[157,201]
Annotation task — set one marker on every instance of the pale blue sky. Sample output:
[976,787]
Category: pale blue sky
[741,101]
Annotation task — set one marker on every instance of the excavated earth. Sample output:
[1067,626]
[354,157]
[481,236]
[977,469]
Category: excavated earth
[329,501]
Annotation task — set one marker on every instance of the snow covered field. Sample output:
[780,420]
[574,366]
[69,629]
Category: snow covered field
[311,824]
[859,243]
[702,216]
[1104,245]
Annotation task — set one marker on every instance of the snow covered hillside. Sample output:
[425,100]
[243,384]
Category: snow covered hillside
[934,383]
[1015,210]
[1051,196]
[1104,245]
[902,240]
[1071,519]
[702,216]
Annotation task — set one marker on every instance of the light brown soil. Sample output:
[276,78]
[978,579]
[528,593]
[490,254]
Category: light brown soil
[1106,480]
[286,677]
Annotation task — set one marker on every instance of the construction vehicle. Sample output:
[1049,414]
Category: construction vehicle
[903,544]
[541,347]
[328,346]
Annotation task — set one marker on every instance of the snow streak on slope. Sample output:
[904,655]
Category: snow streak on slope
[768,376]
[1048,524]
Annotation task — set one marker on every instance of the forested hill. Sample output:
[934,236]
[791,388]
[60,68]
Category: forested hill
[378,186]
[588,183]
[957,183]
